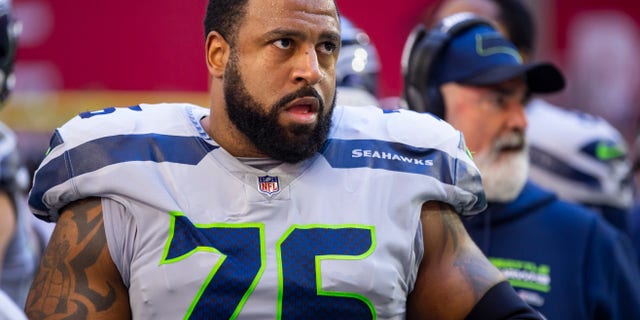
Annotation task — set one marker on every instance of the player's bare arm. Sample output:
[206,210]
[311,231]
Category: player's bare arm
[77,278]
[454,274]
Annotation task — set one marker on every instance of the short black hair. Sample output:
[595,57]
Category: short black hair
[518,20]
[224,16]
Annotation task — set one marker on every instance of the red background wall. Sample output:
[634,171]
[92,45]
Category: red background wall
[158,45]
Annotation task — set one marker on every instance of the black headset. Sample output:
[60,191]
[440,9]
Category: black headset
[421,50]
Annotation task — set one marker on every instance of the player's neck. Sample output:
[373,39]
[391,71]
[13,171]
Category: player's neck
[227,136]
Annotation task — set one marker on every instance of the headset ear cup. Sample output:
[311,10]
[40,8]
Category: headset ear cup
[415,99]
[412,92]
[436,101]
[424,47]
[424,54]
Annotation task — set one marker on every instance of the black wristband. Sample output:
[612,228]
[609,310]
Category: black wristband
[502,302]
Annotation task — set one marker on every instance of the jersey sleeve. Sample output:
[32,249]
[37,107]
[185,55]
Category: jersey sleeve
[457,175]
[430,158]
[89,155]
[468,193]
[54,181]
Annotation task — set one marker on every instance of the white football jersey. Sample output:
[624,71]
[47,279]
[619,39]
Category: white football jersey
[196,233]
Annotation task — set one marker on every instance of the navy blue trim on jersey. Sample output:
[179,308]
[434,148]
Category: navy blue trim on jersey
[55,140]
[393,156]
[99,153]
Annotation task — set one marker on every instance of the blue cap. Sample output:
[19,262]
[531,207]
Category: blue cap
[482,56]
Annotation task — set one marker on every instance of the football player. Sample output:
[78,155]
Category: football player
[273,203]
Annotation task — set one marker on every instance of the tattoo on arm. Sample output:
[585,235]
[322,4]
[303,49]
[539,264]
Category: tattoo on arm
[456,244]
[70,280]
[448,228]
[451,226]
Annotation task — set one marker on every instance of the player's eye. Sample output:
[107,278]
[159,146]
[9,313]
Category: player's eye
[283,43]
[329,47]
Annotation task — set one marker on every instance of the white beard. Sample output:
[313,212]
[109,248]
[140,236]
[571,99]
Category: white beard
[504,174]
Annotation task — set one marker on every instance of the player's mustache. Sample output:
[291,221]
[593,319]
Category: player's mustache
[300,93]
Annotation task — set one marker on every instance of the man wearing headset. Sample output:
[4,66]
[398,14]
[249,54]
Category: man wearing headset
[581,157]
[563,259]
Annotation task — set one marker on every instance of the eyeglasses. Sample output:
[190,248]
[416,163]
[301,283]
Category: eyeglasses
[502,97]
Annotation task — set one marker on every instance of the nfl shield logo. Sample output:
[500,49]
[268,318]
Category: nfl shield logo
[268,185]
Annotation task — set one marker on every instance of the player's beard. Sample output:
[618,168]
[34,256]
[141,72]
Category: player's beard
[504,168]
[291,144]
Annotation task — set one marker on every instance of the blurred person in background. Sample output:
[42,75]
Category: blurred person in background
[562,258]
[20,242]
[634,223]
[579,156]
[357,68]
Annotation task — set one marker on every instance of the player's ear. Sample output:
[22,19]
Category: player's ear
[218,50]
